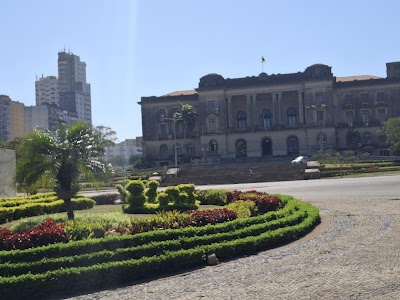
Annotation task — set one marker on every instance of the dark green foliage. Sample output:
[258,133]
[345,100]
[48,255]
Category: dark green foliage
[212,197]
[163,199]
[121,191]
[189,190]
[105,199]
[172,192]
[182,198]
[135,187]
[244,209]
[151,192]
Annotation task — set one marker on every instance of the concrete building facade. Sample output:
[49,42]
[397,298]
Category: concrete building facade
[275,115]
[125,149]
[11,118]
[46,90]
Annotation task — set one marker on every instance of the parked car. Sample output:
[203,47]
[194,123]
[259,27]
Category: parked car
[300,160]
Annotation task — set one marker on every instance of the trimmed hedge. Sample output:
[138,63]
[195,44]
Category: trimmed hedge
[16,212]
[79,267]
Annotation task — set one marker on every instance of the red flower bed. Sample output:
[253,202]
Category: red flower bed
[212,216]
[49,232]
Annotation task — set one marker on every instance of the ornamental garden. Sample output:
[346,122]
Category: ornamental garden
[155,234]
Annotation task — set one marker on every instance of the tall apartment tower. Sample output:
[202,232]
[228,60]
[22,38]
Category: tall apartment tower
[11,118]
[73,90]
[47,90]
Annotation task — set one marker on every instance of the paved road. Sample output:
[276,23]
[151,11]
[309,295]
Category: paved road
[355,254]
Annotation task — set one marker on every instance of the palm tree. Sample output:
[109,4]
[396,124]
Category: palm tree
[187,116]
[61,158]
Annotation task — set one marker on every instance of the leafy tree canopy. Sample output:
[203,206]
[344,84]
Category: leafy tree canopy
[392,131]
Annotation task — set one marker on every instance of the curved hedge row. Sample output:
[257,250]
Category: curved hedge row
[81,266]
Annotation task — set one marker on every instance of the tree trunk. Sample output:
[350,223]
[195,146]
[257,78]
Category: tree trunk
[70,211]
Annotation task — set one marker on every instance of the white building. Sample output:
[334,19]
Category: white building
[47,90]
[125,149]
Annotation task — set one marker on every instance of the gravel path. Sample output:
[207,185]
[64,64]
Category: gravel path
[354,254]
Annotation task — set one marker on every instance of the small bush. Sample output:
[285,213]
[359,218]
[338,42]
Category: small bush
[135,187]
[151,192]
[244,209]
[212,216]
[172,192]
[212,197]
[105,199]
[163,199]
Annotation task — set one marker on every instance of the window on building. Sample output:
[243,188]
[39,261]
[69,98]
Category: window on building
[320,116]
[291,114]
[241,120]
[365,115]
[241,148]
[319,97]
[163,131]
[178,149]
[348,99]
[292,145]
[191,149]
[349,116]
[381,114]
[213,145]
[212,124]
[364,97]
[267,119]
[367,138]
[163,151]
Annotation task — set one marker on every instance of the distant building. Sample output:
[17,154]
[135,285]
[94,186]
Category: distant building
[46,90]
[125,149]
[274,115]
[47,116]
[74,92]
[11,118]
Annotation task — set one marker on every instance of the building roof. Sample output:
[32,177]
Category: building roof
[178,93]
[357,77]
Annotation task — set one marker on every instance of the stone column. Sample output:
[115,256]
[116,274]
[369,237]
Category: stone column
[229,110]
[280,108]
[255,112]
[274,109]
[301,116]
[249,123]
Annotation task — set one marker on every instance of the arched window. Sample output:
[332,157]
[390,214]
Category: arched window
[191,149]
[163,151]
[367,138]
[266,117]
[178,149]
[323,138]
[241,120]
[241,148]
[292,145]
[213,145]
[291,115]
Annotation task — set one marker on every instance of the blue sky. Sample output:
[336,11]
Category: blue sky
[152,47]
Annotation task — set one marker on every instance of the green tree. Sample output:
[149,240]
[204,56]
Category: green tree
[60,158]
[186,115]
[392,132]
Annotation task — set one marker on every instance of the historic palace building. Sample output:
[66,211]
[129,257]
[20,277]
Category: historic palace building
[274,115]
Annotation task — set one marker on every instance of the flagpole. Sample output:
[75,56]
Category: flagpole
[262,64]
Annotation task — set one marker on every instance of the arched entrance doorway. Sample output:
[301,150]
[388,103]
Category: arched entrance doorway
[292,145]
[266,146]
[241,148]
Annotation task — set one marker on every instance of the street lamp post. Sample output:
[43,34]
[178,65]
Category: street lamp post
[175,150]
[318,108]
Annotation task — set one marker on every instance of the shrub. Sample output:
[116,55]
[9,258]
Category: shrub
[189,190]
[182,198]
[135,187]
[121,191]
[105,199]
[212,197]
[172,192]
[48,232]
[151,192]
[163,199]
[244,209]
[212,216]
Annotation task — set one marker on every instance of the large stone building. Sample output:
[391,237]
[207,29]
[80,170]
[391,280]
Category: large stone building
[124,149]
[275,115]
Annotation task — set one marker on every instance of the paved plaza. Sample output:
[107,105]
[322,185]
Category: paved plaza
[353,254]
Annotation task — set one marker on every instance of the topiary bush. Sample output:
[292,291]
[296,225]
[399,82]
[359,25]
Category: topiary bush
[172,192]
[189,190]
[212,197]
[163,199]
[151,191]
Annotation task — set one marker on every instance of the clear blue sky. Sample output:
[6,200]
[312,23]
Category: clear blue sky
[152,47]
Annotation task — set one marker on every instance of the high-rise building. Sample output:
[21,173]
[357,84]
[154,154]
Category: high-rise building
[73,89]
[47,90]
[11,118]
[124,149]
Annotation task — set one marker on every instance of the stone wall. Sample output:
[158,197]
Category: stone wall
[7,173]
